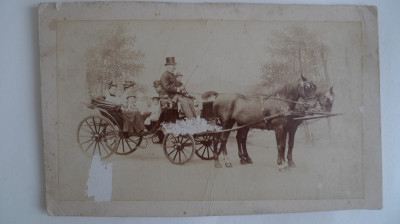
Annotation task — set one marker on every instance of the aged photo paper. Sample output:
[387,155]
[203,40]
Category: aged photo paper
[177,109]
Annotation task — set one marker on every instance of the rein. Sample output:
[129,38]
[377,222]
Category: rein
[265,119]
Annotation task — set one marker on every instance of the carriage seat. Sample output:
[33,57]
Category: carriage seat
[207,111]
[108,106]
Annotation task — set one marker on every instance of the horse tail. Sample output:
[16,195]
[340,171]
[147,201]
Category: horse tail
[209,94]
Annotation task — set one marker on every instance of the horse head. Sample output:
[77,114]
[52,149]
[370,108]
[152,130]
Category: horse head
[307,88]
[325,100]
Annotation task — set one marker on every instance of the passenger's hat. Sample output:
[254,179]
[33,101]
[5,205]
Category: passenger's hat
[131,96]
[128,84]
[170,61]
[156,83]
[111,84]
[178,74]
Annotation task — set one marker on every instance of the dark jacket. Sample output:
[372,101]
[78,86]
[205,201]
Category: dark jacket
[168,83]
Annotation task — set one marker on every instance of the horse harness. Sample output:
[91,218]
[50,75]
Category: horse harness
[304,104]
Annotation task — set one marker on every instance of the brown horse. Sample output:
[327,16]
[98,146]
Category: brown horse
[323,102]
[236,108]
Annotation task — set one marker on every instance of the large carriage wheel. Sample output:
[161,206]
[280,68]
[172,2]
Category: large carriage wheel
[179,149]
[204,146]
[97,135]
[128,144]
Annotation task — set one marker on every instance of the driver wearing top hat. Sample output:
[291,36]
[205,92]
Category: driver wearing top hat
[172,88]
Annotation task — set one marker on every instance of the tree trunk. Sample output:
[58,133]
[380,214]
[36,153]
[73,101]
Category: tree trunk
[300,63]
[324,64]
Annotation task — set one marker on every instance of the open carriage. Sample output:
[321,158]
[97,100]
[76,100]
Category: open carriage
[101,133]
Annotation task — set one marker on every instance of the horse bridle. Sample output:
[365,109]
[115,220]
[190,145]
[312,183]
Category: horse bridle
[304,104]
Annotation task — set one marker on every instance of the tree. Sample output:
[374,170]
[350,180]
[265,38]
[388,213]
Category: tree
[112,59]
[294,52]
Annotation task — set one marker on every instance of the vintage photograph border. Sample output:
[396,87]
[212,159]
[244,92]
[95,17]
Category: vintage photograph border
[49,13]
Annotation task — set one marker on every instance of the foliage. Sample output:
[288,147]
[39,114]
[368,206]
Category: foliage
[112,59]
[293,52]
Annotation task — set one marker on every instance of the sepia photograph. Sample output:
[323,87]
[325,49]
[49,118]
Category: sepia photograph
[210,110]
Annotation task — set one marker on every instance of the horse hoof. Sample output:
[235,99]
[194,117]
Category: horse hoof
[218,165]
[229,165]
[243,161]
[248,160]
[283,167]
[291,164]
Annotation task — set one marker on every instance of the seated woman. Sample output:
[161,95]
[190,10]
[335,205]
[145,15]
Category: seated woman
[135,118]
[153,121]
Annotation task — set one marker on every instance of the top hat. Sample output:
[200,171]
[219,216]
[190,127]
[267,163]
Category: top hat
[170,61]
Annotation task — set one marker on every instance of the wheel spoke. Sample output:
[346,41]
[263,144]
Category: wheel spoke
[129,146]
[109,137]
[86,141]
[179,156]
[208,152]
[176,154]
[204,151]
[171,152]
[89,146]
[104,148]
[94,125]
[94,150]
[185,141]
[202,146]
[183,152]
[88,131]
[123,145]
[99,149]
[86,136]
[134,142]
[90,126]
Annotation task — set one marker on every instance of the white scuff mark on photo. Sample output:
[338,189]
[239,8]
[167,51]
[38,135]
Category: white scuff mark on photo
[42,7]
[58,4]
[189,126]
[99,184]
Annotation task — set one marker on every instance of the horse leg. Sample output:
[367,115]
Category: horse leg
[215,151]
[224,138]
[239,139]
[244,145]
[292,132]
[280,135]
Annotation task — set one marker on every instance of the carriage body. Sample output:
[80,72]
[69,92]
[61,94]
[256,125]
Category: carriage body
[102,133]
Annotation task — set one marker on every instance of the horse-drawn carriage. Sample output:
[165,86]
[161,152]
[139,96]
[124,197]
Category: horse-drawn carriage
[101,133]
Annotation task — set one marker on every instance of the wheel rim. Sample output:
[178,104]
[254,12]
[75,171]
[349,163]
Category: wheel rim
[97,135]
[179,149]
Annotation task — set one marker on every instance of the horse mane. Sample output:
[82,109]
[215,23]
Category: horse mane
[287,89]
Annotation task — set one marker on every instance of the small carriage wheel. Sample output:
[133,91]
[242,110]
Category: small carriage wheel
[128,143]
[97,135]
[179,149]
[205,146]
